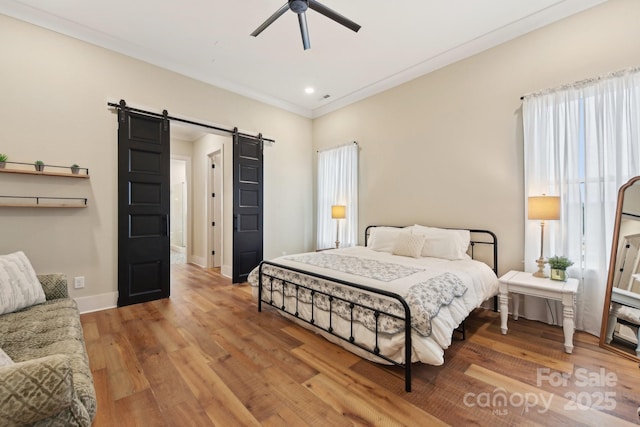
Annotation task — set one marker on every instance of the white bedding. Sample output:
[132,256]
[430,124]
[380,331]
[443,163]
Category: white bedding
[402,276]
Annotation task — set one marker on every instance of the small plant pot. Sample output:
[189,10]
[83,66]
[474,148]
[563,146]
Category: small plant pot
[2,165]
[560,275]
[75,171]
[39,168]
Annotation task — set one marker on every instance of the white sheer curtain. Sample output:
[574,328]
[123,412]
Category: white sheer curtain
[337,185]
[581,143]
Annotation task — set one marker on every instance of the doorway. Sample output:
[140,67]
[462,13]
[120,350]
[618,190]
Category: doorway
[179,212]
[145,192]
[204,153]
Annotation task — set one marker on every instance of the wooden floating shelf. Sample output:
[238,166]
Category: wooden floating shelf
[27,172]
[29,169]
[49,205]
[42,202]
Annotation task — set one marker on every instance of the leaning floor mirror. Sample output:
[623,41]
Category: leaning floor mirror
[621,314]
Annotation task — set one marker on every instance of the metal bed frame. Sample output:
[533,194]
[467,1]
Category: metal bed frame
[479,237]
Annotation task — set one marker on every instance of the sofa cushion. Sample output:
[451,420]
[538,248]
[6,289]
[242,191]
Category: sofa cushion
[53,327]
[19,285]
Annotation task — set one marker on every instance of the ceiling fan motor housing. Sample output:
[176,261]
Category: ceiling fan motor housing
[298,6]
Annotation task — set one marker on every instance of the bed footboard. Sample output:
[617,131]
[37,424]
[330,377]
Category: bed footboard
[293,309]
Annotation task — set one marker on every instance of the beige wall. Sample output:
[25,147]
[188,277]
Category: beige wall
[54,93]
[446,149]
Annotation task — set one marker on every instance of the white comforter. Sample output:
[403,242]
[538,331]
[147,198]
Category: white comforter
[404,272]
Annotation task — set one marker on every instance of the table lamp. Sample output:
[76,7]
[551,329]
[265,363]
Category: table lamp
[338,212]
[543,208]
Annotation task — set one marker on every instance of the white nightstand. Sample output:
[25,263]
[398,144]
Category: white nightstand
[518,282]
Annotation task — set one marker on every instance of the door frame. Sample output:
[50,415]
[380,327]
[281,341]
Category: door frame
[215,208]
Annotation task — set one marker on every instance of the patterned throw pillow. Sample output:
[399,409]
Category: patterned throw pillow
[5,360]
[19,285]
[409,244]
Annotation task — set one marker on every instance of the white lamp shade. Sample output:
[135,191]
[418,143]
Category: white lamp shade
[544,207]
[338,211]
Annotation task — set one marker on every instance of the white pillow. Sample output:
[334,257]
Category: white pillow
[19,285]
[382,239]
[5,360]
[443,243]
[408,244]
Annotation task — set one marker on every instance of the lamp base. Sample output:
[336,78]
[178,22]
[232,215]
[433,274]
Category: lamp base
[540,273]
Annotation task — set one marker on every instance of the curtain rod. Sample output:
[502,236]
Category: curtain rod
[584,82]
[123,105]
[338,146]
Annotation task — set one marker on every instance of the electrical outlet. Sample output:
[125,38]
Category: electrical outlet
[78,282]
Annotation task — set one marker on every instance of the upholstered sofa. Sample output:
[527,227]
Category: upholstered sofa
[46,379]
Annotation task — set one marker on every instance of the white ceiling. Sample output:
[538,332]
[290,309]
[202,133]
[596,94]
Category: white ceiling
[209,40]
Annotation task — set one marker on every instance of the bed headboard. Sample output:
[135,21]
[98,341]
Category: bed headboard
[483,246]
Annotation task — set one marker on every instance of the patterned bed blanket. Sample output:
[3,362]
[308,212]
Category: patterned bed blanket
[425,296]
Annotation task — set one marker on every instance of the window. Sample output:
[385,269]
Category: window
[582,143]
[337,185]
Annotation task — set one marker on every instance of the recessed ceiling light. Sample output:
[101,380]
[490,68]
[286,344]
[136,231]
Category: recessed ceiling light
[309,90]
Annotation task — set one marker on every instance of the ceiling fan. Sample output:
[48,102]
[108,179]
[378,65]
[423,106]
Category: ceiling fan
[300,7]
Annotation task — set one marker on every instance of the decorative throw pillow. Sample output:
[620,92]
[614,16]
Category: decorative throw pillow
[19,285]
[408,244]
[5,360]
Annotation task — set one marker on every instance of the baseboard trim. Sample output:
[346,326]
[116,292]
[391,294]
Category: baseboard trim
[97,302]
[226,271]
[199,261]
[110,300]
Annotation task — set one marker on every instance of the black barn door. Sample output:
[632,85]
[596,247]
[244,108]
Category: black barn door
[247,206]
[143,208]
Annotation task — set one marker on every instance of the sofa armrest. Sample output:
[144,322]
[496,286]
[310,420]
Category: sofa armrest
[54,285]
[35,389]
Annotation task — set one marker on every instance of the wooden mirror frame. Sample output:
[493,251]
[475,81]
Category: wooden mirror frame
[612,267]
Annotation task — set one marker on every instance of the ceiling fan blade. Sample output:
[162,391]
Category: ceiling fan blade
[331,14]
[271,19]
[302,19]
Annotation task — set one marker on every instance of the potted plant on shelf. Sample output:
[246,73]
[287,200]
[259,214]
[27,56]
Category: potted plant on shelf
[75,169]
[559,265]
[39,164]
[3,160]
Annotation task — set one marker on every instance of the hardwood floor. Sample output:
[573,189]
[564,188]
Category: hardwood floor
[206,357]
